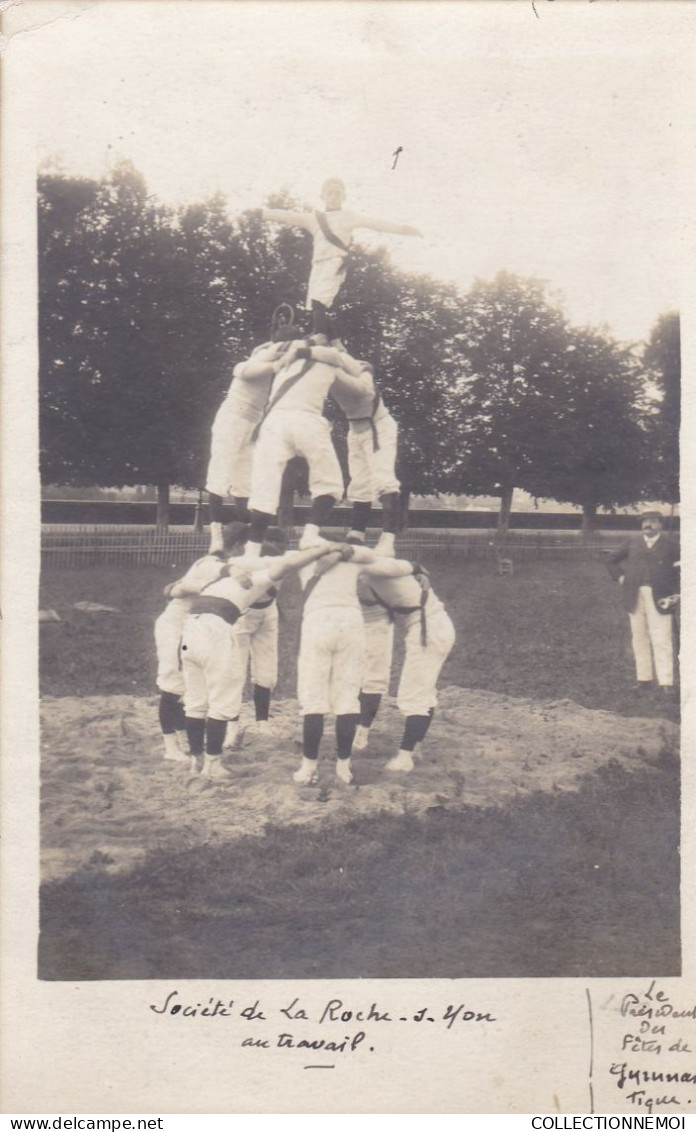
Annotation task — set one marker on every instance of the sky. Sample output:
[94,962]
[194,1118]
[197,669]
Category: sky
[546,139]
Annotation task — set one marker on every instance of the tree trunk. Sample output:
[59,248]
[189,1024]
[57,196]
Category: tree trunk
[505,509]
[589,514]
[162,507]
[404,500]
[198,513]
[670,527]
[286,517]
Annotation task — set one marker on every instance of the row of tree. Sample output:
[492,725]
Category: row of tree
[144,309]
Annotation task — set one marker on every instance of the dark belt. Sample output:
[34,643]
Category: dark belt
[219,606]
[392,610]
[262,604]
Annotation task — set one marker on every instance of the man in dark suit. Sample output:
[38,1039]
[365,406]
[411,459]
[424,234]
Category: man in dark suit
[646,568]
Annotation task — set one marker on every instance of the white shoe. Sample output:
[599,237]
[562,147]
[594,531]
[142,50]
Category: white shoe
[385,545]
[343,771]
[213,768]
[195,764]
[259,729]
[172,751]
[175,757]
[306,775]
[403,762]
[311,537]
[231,736]
[217,542]
[310,534]
[362,738]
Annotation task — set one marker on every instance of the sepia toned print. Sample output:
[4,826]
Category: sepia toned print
[360,551]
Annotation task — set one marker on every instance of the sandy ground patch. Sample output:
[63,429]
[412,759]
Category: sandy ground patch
[108,797]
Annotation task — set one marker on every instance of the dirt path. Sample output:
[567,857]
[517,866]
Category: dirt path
[108,798]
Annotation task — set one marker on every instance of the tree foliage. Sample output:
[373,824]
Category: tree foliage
[595,452]
[512,349]
[133,316]
[662,361]
[144,310]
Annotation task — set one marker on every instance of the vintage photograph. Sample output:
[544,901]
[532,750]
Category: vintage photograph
[359,403]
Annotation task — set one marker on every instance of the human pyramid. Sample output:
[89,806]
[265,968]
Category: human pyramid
[223,613]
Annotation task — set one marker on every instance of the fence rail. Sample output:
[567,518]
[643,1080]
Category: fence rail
[70,547]
[113,512]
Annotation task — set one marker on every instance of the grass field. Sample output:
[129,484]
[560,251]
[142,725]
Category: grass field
[555,630]
[582,883]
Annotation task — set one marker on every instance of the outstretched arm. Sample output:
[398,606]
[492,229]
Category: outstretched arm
[353,367]
[360,384]
[341,359]
[389,568]
[204,571]
[264,363]
[386,226]
[258,575]
[287,216]
[360,554]
[376,566]
[294,560]
[327,355]
[352,375]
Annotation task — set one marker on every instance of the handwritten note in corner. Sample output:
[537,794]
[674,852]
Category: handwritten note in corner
[647,1053]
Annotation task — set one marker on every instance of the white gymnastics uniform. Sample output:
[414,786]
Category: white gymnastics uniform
[295,426]
[328,260]
[372,436]
[331,660]
[378,629]
[256,634]
[213,673]
[170,623]
[417,691]
[231,445]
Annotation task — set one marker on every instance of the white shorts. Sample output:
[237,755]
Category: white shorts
[417,692]
[213,675]
[325,280]
[372,472]
[330,664]
[256,634]
[231,455]
[170,677]
[379,646]
[289,433]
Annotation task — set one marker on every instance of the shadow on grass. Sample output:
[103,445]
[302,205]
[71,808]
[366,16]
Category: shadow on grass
[582,884]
